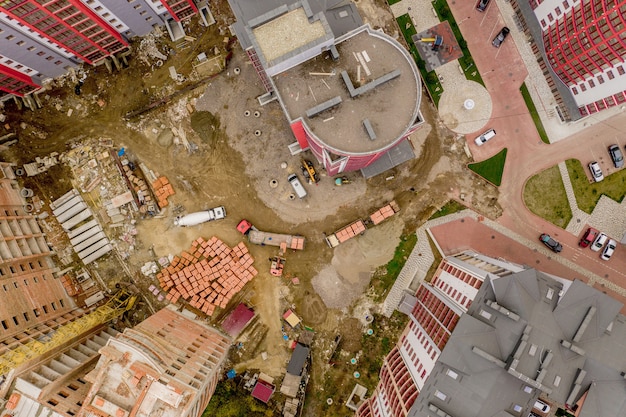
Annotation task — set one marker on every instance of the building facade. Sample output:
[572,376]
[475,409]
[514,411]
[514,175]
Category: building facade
[581,49]
[437,308]
[43,40]
[37,297]
[352,115]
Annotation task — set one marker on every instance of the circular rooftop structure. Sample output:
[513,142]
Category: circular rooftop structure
[362,102]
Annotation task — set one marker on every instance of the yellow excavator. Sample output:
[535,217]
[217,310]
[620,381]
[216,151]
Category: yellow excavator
[309,172]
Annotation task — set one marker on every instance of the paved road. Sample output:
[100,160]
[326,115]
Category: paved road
[503,72]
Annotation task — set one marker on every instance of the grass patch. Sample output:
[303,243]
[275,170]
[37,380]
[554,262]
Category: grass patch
[430,78]
[533,113]
[385,276]
[391,2]
[231,401]
[450,207]
[491,169]
[466,61]
[544,195]
[587,194]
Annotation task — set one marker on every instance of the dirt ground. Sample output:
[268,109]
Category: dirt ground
[227,164]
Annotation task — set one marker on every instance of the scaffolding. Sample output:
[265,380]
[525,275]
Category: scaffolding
[115,307]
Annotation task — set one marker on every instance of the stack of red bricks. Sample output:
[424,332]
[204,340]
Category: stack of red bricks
[208,275]
[163,189]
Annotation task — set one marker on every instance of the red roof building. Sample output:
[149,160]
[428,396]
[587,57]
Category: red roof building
[263,391]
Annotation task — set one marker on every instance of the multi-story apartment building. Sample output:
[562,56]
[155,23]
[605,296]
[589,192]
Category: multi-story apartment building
[581,50]
[490,338]
[437,308]
[43,40]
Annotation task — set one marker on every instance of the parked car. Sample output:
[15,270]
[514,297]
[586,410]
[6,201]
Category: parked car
[485,137]
[616,156]
[551,243]
[608,250]
[500,37]
[482,5]
[590,235]
[541,406]
[596,172]
[599,242]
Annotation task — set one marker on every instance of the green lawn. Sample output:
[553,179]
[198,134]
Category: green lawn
[466,61]
[492,168]
[430,78]
[533,113]
[544,195]
[588,193]
[450,207]
[390,2]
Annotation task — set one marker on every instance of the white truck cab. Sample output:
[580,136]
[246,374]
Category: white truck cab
[296,185]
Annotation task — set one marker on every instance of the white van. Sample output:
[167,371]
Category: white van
[297,185]
[485,137]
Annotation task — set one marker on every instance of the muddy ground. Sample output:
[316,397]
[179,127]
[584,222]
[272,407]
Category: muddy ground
[227,164]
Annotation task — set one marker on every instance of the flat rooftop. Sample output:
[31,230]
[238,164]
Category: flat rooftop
[277,37]
[388,93]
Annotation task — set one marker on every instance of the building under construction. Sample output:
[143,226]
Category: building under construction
[168,365]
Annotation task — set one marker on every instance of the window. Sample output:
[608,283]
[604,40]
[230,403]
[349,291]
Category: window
[5,325]
[64,394]
[26,316]
[441,395]
[452,374]
[17,323]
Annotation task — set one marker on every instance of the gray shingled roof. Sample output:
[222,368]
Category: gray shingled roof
[507,351]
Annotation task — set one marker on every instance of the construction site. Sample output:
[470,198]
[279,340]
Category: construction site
[97,173]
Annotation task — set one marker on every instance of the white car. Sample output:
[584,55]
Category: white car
[599,242]
[485,137]
[541,406]
[596,172]
[608,250]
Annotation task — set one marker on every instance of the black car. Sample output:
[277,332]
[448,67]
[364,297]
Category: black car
[616,156]
[500,37]
[482,5]
[551,243]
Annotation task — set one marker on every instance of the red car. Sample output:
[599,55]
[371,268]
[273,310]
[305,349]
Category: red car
[589,236]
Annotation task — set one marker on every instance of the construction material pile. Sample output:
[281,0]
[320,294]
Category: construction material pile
[163,189]
[208,275]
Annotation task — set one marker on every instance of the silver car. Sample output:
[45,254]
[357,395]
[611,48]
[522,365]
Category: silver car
[608,250]
[596,172]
